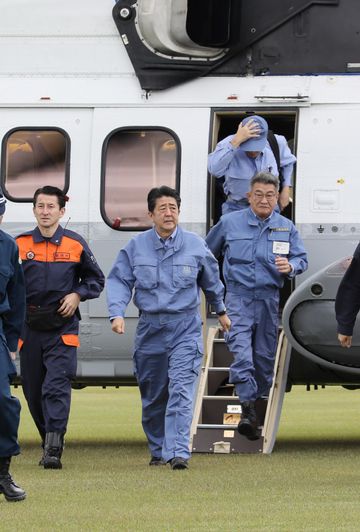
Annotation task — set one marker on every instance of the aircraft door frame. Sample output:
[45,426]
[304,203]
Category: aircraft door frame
[224,122]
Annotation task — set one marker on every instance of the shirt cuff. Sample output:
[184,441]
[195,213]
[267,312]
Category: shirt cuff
[345,330]
[220,308]
[287,174]
[292,273]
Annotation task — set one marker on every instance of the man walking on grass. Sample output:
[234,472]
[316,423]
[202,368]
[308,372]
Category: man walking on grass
[12,312]
[166,266]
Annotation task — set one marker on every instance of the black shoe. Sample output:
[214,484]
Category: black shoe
[12,492]
[178,463]
[41,461]
[51,461]
[155,461]
[53,450]
[248,425]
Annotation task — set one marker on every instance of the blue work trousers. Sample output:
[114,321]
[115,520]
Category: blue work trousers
[47,366]
[9,405]
[167,358]
[252,340]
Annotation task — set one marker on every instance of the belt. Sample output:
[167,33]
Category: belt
[166,317]
[242,201]
[252,293]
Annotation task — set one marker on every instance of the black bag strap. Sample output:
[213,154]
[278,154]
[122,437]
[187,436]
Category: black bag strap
[275,149]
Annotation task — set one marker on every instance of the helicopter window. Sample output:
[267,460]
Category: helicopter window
[32,158]
[134,161]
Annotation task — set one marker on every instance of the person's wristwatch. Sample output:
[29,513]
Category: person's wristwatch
[221,313]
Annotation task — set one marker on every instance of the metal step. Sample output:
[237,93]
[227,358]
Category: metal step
[221,398]
[211,426]
[217,409]
[225,441]
[221,355]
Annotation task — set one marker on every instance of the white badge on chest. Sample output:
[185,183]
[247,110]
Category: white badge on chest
[281,248]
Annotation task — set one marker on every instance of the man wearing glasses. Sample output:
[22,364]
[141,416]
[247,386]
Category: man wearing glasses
[261,248]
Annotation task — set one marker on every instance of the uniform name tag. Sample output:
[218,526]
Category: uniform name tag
[281,248]
[61,255]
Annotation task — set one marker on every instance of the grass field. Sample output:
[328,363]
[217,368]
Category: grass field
[310,482]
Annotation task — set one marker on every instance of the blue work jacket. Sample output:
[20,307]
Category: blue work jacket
[238,168]
[12,291]
[247,244]
[165,281]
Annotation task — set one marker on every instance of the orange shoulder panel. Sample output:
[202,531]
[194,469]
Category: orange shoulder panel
[28,250]
[69,251]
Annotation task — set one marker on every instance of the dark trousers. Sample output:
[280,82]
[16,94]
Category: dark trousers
[47,366]
[9,405]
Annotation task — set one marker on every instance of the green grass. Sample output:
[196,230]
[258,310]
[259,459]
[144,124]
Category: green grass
[310,482]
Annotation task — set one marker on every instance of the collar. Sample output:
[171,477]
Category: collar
[176,236]
[256,220]
[55,239]
[169,238]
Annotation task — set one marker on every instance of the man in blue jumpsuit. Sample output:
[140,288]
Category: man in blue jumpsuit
[241,156]
[166,266]
[260,248]
[12,312]
[347,302]
[60,271]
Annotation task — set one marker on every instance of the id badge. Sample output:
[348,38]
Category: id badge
[281,248]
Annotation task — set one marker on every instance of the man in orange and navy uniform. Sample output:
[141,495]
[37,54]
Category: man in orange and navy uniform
[60,271]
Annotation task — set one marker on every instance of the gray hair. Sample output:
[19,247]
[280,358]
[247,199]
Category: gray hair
[266,178]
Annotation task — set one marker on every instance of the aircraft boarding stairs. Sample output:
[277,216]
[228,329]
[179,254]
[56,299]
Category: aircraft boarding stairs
[217,410]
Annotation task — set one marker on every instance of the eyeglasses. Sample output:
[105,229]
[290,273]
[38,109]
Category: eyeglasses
[269,195]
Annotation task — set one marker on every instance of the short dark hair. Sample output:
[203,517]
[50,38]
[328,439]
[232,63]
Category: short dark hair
[266,178]
[48,190]
[160,192]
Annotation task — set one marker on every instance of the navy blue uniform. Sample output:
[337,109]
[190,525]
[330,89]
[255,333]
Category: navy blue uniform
[53,268]
[347,303]
[12,310]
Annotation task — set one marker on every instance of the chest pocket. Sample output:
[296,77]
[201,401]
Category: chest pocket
[4,279]
[146,273]
[185,271]
[277,236]
[240,250]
